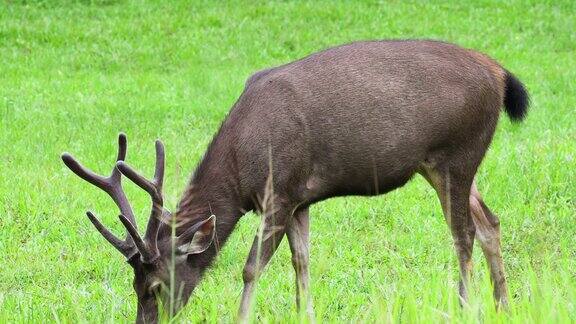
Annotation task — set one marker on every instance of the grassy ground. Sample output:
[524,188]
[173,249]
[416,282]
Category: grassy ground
[75,73]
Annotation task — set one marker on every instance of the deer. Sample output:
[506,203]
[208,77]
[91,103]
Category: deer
[358,119]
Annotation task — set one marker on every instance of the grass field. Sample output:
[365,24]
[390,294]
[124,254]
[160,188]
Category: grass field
[75,73]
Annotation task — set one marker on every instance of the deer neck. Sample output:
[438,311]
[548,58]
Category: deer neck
[213,190]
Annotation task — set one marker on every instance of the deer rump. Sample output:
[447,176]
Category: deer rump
[360,119]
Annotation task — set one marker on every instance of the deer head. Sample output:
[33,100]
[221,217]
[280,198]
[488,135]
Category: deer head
[165,271]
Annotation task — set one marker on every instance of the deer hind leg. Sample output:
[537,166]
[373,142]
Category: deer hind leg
[298,238]
[270,233]
[453,189]
[488,235]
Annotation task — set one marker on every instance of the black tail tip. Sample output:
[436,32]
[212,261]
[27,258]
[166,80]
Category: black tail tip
[516,99]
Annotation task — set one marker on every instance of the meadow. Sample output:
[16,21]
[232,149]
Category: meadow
[73,74]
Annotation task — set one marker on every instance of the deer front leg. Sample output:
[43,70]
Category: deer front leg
[299,240]
[270,233]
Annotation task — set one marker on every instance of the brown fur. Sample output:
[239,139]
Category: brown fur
[495,69]
[358,119]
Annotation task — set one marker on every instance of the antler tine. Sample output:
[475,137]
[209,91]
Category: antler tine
[124,247]
[84,173]
[122,148]
[154,188]
[142,182]
[111,185]
[159,171]
[158,205]
[145,253]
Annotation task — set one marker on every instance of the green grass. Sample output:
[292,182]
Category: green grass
[75,73]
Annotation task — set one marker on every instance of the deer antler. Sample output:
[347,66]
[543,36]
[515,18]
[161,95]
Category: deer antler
[112,185]
[148,246]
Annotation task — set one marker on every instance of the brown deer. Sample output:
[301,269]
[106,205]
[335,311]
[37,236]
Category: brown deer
[358,119]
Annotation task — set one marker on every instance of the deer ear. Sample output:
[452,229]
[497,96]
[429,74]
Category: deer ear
[198,238]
